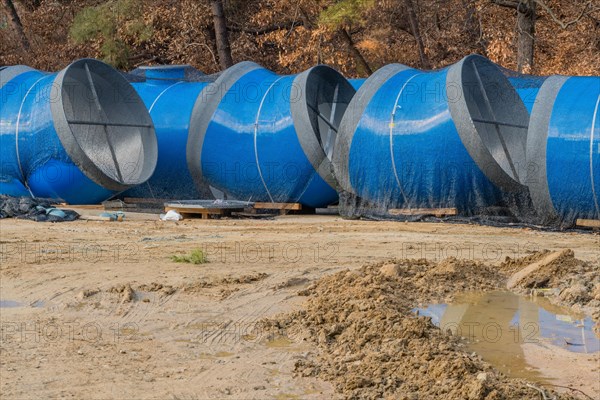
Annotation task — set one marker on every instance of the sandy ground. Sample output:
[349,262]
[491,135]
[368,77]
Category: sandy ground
[105,313]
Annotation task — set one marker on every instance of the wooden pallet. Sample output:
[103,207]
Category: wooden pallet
[282,208]
[438,212]
[204,209]
[588,223]
[81,207]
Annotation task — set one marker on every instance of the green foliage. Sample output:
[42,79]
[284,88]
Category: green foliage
[345,12]
[195,257]
[112,22]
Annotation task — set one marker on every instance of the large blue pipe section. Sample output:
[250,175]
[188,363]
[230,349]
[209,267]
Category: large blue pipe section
[80,136]
[170,99]
[563,149]
[258,136]
[11,183]
[449,138]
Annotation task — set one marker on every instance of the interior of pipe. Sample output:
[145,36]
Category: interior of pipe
[328,95]
[108,123]
[500,118]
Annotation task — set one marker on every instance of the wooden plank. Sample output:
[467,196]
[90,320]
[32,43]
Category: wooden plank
[196,210]
[189,211]
[94,218]
[438,212]
[278,206]
[531,268]
[588,223]
[81,207]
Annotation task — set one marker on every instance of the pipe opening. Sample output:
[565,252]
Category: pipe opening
[104,125]
[500,118]
[327,95]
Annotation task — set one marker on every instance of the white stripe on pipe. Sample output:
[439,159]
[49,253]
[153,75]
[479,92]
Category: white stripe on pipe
[595,118]
[17,135]
[150,112]
[392,123]
[262,102]
[160,95]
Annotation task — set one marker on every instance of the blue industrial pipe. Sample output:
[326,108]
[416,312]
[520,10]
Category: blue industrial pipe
[262,137]
[10,182]
[563,149]
[449,138]
[80,136]
[170,99]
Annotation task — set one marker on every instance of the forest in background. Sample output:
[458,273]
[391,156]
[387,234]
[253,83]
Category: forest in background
[357,37]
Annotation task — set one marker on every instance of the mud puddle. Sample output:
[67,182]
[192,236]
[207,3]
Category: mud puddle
[502,327]
[18,304]
[10,304]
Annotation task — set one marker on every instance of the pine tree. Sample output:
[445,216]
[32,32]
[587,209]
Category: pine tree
[112,23]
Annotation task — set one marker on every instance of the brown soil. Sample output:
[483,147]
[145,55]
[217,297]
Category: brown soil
[574,283]
[372,346]
[105,313]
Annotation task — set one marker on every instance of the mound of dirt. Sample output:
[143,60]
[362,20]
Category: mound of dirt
[371,345]
[512,265]
[576,282]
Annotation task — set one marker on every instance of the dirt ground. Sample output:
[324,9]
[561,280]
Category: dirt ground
[99,310]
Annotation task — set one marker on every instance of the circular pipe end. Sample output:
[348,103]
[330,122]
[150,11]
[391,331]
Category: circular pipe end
[324,97]
[103,125]
[491,120]
[537,139]
[206,105]
[351,119]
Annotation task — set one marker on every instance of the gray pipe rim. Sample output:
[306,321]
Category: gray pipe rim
[9,73]
[205,107]
[302,113]
[351,119]
[471,136]
[135,113]
[537,141]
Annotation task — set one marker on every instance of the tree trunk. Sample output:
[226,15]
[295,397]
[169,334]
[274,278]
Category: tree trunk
[414,25]
[526,17]
[363,65]
[473,26]
[15,21]
[526,31]
[221,35]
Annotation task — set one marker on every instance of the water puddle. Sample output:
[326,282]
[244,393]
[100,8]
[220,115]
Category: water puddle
[10,304]
[506,329]
[279,342]
[18,304]
[284,343]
